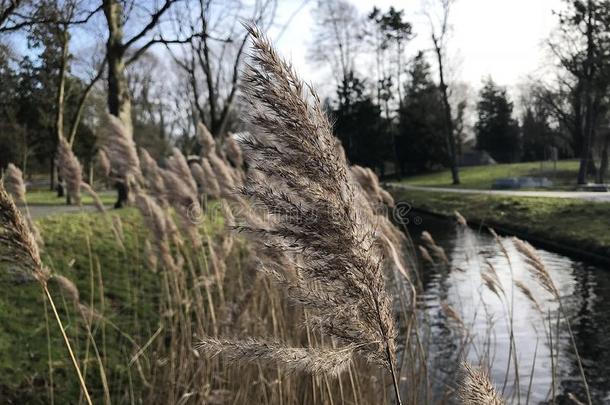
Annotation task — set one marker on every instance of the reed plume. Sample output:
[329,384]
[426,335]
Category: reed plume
[304,185]
[425,255]
[70,169]
[224,175]
[182,195]
[117,142]
[369,181]
[371,203]
[477,389]
[13,182]
[96,198]
[452,314]
[492,281]
[233,151]
[309,360]
[525,290]
[205,178]
[17,243]
[152,174]
[460,218]
[538,270]
[15,186]
[18,247]
[103,162]
[157,222]
[436,251]
[178,165]
[206,140]
[536,266]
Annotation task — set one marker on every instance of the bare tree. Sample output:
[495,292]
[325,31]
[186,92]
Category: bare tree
[582,50]
[212,60]
[335,42]
[120,52]
[439,34]
[16,15]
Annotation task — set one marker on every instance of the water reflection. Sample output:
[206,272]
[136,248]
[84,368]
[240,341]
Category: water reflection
[585,292]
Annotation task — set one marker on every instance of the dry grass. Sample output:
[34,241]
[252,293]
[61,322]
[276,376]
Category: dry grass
[19,247]
[304,306]
[310,222]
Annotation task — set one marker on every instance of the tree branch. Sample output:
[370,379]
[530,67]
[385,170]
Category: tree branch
[28,21]
[154,19]
[159,40]
[81,102]
[4,14]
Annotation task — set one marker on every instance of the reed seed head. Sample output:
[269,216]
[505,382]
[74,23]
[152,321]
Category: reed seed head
[17,242]
[13,182]
[316,361]
[477,389]
[70,169]
[536,266]
[208,144]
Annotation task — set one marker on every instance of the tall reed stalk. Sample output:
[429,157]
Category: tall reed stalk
[540,272]
[310,215]
[20,248]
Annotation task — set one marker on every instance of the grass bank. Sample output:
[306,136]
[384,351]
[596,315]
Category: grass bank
[482,177]
[570,226]
[105,257]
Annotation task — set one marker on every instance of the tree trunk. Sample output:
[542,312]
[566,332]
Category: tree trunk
[585,153]
[451,145]
[586,158]
[61,86]
[52,175]
[59,116]
[119,102]
[603,166]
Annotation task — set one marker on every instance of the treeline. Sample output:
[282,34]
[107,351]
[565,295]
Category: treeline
[160,67]
[395,109]
[404,113]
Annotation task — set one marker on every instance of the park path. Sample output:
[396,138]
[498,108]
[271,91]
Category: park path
[579,195]
[41,211]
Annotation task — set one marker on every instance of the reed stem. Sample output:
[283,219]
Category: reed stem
[394,378]
[578,360]
[68,346]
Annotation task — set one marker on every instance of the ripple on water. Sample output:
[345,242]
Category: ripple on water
[585,292]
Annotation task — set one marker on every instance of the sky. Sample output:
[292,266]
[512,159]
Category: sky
[502,38]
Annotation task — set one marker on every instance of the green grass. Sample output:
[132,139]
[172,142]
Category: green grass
[482,177]
[24,372]
[83,247]
[578,224]
[47,197]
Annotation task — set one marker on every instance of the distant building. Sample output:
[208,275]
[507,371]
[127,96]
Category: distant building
[476,158]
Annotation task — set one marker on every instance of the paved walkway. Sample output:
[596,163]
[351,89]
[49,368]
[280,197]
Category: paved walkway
[40,211]
[580,195]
